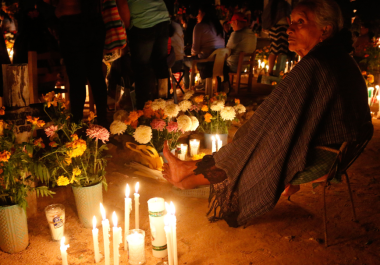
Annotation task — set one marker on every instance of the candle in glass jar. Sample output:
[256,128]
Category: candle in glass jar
[137,204]
[128,208]
[213,144]
[63,249]
[136,246]
[95,232]
[106,228]
[194,147]
[219,143]
[116,233]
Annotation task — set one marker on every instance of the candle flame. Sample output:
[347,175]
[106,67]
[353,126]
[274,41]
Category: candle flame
[114,219]
[94,222]
[172,208]
[217,137]
[377,86]
[103,212]
[213,138]
[137,188]
[127,191]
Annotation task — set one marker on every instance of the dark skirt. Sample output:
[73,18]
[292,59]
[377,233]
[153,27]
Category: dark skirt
[279,39]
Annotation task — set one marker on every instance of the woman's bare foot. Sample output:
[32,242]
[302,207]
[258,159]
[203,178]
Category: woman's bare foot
[179,169]
[290,190]
[166,173]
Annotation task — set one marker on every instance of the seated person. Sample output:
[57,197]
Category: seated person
[321,102]
[243,39]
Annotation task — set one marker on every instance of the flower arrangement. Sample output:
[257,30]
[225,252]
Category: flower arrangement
[214,116]
[372,56]
[263,54]
[20,168]
[74,155]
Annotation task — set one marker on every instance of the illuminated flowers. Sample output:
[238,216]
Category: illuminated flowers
[39,143]
[143,134]
[77,148]
[62,181]
[184,105]
[118,127]
[199,99]
[228,113]
[172,126]
[158,124]
[50,131]
[194,123]
[32,120]
[240,108]
[98,132]
[204,108]
[4,156]
[237,101]
[158,104]
[171,110]
[184,123]
[91,116]
[188,94]
[217,105]
[208,117]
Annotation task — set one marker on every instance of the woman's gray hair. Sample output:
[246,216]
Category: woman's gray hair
[327,12]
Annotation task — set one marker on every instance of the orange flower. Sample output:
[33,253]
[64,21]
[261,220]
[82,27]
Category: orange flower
[2,110]
[237,101]
[127,121]
[134,124]
[212,99]
[148,112]
[364,73]
[365,56]
[65,104]
[370,79]
[53,144]
[39,143]
[204,108]
[40,123]
[133,116]
[4,156]
[32,120]
[208,117]
[74,137]
[199,99]
[92,116]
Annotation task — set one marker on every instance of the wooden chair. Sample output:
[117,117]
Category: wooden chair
[346,156]
[246,61]
[219,56]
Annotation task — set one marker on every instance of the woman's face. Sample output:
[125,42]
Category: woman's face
[200,16]
[303,31]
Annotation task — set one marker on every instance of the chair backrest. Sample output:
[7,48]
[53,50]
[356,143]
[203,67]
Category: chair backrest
[355,148]
[220,57]
[246,59]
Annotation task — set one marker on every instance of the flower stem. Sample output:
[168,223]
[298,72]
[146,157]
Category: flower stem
[96,154]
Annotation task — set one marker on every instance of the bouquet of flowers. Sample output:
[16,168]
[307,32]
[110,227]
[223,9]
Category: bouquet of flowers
[160,120]
[372,56]
[20,167]
[263,54]
[74,155]
[214,115]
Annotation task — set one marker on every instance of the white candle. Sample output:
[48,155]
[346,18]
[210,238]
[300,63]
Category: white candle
[286,67]
[263,65]
[213,144]
[259,64]
[156,207]
[137,203]
[267,67]
[95,232]
[136,246]
[219,142]
[173,221]
[63,249]
[291,65]
[116,233]
[128,208]
[106,228]
[194,147]
[169,239]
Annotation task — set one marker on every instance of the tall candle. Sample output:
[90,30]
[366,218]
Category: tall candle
[63,249]
[116,233]
[267,67]
[95,232]
[128,208]
[156,207]
[213,144]
[137,203]
[194,147]
[173,225]
[286,67]
[259,64]
[168,230]
[106,228]
[219,142]
[263,65]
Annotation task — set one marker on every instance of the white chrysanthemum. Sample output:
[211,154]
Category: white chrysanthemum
[240,108]
[169,101]
[158,104]
[217,105]
[143,134]
[228,113]
[185,105]
[118,127]
[120,115]
[171,110]
[194,123]
[184,123]
[188,94]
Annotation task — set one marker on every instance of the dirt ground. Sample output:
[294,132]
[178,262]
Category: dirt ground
[290,234]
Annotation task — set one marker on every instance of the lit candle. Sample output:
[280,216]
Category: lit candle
[156,208]
[267,67]
[63,249]
[194,147]
[137,203]
[259,64]
[213,144]
[291,65]
[168,232]
[106,228]
[128,208]
[173,221]
[378,101]
[136,246]
[263,65]
[220,143]
[95,232]
[286,67]
[116,233]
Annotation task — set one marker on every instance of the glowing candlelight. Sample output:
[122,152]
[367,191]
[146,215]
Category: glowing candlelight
[106,228]
[219,142]
[128,208]
[63,249]
[116,233]
[173,225]
[213,144]
[95,232]
[137,203]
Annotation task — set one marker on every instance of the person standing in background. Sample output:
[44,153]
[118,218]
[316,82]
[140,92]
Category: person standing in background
[148,34]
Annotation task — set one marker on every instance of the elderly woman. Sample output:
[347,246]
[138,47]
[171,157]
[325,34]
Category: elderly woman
[321,102]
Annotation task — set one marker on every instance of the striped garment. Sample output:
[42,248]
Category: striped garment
[279,39]
[322,101]
[116,37]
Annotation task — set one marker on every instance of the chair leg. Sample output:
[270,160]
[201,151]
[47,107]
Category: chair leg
[324,213]
[350,193]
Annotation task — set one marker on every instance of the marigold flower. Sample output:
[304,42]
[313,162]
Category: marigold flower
[74,137]
[76,171]
[49,96]
[77,148]
[4,156]
[91,116]
[32,120]
[148,112]
[62,181]
[370,79]
[198,156]
[133,116]
[237,101]
[40,123]
[204,108]
[39,143]
[2,110]
[207,117]
[65,104]
[53,144]
[68,161]
[199,99]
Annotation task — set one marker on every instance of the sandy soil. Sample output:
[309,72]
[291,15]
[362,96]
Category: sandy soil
[291,234]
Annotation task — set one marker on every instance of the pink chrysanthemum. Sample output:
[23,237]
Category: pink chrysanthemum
[158,124]
[98,132]
[172,126]
[50,131]
[194,107]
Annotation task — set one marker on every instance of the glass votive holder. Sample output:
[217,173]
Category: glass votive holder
[194,147]
[55,215]
[136,246]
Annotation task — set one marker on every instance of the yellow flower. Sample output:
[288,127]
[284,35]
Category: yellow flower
[208,117]
[2,110]
[198,156]
[32,120]
[199,99]
[4,156]
[77,148]
[68,161]
[92,116]
[49,96]
[62,181]
[204,108]
[370,79]
[74,137]
[76,171]
[40,123]
[39,143]
[237,101]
